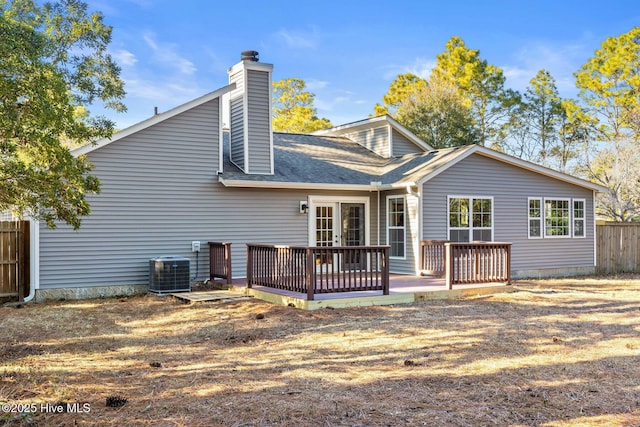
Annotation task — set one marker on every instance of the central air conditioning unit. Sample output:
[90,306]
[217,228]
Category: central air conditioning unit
[169,274]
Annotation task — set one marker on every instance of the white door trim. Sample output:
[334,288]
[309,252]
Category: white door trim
[316,200]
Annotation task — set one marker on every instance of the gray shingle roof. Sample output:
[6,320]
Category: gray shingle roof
[310,159]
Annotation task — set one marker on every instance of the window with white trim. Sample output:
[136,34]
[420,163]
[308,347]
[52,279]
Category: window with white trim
[396,231]
[557,220]
[579,218]
[470,218]
[556,217]
[535,218]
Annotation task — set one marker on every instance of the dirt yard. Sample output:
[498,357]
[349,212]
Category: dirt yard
[553,353]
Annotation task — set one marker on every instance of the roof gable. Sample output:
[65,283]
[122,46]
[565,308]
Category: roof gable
[505,158]
[87,148]
[371,123]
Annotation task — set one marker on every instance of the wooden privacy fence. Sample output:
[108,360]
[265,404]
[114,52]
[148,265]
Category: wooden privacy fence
[618,247]
[220,261]
[467,263]
[318,270]
[14,259]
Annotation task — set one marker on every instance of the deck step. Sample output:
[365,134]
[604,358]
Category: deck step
[202,296]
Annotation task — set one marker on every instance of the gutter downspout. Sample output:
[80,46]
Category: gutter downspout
[34,259]
[377,185]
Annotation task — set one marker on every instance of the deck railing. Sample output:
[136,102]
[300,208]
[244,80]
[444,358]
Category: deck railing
[316,270]
[466,263]
[220,261]
[477,262]
[432,257]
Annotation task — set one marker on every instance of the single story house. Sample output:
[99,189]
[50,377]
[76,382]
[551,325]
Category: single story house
[181,177]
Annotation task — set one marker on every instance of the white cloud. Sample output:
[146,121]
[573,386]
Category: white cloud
[124,58]
[419,66]
[299,39]
[313,84]
[328,101]
[161,91]
[166,54]
[561,60]
[149,39]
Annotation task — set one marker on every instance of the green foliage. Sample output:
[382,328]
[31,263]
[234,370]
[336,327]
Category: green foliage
[460,65]
[609,84]
[575,131]
[437,114]
[481,84]
[293,109]
[543,111]
[533,129]
[404,86]
[463,101]
[54,64]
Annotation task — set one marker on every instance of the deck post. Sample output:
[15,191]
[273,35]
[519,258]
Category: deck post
[448,264]
[249,266]
[385,270]
[309,276]
[508,261]
[227,258]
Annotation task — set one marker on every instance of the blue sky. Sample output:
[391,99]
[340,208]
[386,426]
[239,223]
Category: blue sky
[348,52]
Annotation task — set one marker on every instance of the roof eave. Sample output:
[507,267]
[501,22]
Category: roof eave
[299,185]
[523,164]
[87,148]
[541,169]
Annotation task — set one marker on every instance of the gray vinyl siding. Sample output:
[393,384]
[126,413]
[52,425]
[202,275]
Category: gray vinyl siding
[259,123]
[155,200]
[236,120]
[375,139]
[159,193]
[510,188]
[407,265]
[401,145]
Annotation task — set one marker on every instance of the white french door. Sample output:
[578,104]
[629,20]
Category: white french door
[326,222]
[338,223]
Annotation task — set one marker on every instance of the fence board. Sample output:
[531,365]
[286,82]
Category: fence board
[14,258]
[618,247]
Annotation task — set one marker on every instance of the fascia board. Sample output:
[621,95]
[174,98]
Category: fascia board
[85,149]
[297,185]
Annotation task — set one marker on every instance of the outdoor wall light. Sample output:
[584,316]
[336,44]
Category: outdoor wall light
[304,208]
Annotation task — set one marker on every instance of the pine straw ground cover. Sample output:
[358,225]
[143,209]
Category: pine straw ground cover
[553,353]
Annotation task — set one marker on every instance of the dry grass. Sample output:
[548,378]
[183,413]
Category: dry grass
[555,353]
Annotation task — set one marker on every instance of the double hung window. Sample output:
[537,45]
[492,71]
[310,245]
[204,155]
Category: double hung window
[556,217]
[396,217]
[470,218]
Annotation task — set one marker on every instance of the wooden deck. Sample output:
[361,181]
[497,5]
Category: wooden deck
[404,289]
